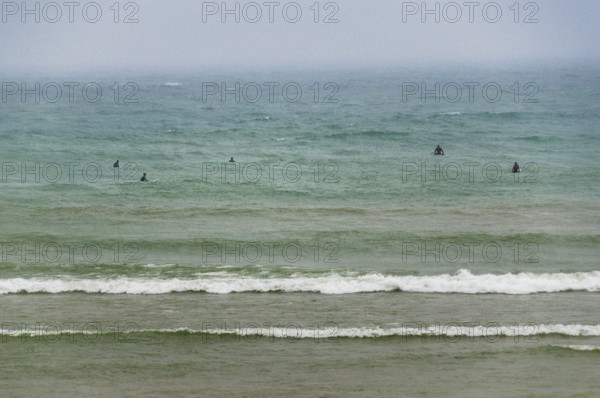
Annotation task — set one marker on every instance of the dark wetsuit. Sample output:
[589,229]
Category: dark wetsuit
[439,151]
[143,179]
[516,168]
[116,164]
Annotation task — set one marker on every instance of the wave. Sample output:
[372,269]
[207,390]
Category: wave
[172,84]
[502,115]
[368,134]
[579,347]
[330,330]
[450,330]
[332,283]
[538,138]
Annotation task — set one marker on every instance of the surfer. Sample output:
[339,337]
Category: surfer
[144,179]
[438,151]
[516,168]
[116,164]
[231,160]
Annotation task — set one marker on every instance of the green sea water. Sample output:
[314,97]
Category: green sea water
[336,257]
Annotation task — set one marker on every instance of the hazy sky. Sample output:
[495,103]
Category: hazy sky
[189,34]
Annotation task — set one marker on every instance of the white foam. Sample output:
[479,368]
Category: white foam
[448,330]
[523,332]
[580,347]
[172,84]
[334,283]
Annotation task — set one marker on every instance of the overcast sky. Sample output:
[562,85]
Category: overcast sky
[190,35]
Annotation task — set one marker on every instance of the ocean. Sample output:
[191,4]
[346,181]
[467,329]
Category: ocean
[337,256]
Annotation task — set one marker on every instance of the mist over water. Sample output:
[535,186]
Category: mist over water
[232,35]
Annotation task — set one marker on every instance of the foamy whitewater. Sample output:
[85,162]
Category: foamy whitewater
[462,282]
[331,332]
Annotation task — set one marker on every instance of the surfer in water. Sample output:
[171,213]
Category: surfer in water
[516,168]
[144,179]
[438,151]
[231,160]
[116,164]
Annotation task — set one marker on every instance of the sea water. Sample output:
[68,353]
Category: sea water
[336,257]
